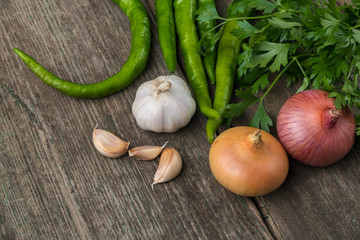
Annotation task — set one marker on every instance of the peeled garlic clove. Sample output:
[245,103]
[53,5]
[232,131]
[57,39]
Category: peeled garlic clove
[146,152]
[170,165]
[108,144]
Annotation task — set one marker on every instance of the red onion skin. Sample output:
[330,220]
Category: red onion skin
[308,131]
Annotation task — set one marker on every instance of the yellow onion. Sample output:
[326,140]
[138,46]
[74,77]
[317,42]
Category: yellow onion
[313,131]
[248,161]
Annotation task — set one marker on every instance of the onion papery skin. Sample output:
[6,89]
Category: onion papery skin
[305,129]
[244,169]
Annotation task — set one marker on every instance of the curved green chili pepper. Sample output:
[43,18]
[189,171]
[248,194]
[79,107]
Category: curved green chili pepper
[228,52]
[166,32]
[207,32]
[135,64]
[184,11]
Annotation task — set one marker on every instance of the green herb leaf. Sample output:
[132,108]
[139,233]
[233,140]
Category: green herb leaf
[297,34]
[235,110]
[245,95]
[261,83]
[207,12]
[245,30]
[237,7]
[356,35]
[339,99]
[244,62]
[263,5]
[304,85]
[277,50]
[261,119]
[280,23]
[347,87]
[204,47]
[215,39]
[321,70]
[251,77]
[329,23]
[342,68]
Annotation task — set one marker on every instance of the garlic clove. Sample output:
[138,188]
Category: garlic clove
[108,144]
[170,165]
[146,152]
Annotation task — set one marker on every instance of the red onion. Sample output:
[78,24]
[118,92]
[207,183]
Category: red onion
[313,131]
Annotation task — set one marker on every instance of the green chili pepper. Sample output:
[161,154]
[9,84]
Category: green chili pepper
[166,32]
[184,11]
[135,64]
[228,52]
[207,32]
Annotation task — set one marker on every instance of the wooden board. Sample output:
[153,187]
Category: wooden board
[55,185]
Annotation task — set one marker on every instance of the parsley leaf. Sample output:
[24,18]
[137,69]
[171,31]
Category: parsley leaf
[265,5]
[237,7]
[304,85]
[356,35]
[207,12]
[261,118]
[329,23]
[277,50]
[280,23]
[261,83]
[245,30]
[234,110]
[339,99]
[244,62]
[214,40]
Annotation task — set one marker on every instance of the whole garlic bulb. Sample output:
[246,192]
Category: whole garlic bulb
[164,104]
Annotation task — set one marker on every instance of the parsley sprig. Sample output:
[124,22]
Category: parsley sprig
[313,41]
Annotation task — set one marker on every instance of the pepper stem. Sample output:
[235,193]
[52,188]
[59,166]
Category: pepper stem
[255,138]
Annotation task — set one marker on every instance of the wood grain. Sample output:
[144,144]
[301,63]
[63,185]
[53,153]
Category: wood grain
[55,185]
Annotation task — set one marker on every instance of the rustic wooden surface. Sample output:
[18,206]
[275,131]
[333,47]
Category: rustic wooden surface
[55,185]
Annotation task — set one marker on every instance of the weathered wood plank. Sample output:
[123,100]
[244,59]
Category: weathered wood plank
[25,177]
[54,183]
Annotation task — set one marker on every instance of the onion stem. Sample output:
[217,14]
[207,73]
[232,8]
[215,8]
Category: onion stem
[255,138]
[331,117]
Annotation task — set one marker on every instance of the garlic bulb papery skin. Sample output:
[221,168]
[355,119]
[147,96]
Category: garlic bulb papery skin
[164,104]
